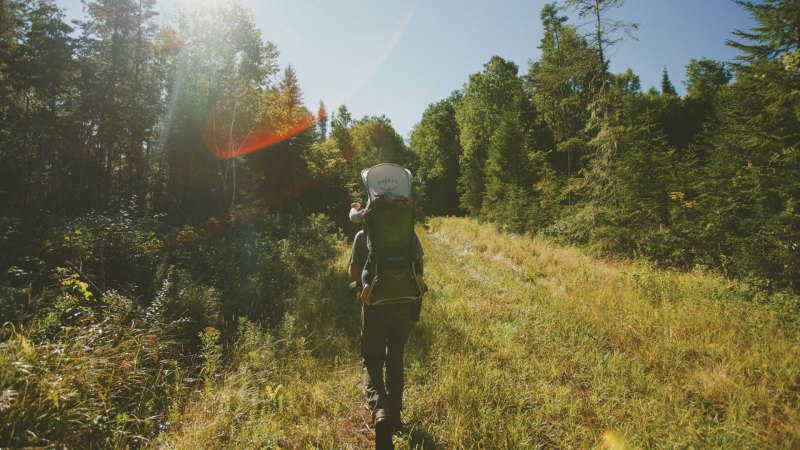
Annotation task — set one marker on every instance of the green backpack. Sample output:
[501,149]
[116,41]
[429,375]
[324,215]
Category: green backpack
[389,226]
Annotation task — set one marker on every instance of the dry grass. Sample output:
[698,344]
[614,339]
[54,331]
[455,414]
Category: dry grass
[521,345]
[567,350]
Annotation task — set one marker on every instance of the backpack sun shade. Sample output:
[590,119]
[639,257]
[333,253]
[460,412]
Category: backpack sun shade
[389,225]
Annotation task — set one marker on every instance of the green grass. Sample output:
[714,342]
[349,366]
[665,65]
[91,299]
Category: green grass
[522,344]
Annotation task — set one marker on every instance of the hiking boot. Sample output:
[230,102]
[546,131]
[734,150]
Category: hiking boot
[383,434]
[399,427]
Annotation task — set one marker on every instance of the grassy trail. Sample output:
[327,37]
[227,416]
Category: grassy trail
[523,345]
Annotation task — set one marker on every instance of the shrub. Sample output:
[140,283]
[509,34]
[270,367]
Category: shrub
[101,381]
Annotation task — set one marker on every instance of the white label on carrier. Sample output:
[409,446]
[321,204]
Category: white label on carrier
[388,184]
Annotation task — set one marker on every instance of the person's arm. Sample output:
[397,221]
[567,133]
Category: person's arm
[358,256]
[420,254]
[354,271]
[423,286]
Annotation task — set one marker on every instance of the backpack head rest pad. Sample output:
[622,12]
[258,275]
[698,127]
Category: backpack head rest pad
[387,180]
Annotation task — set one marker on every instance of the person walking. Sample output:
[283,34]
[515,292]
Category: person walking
[388,308]
[384,331]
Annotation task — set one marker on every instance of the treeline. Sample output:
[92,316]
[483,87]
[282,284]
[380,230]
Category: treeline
[192,124]
[160,186]
[115,107]
[710,179]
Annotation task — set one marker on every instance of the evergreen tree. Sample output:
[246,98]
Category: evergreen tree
[704,78]
[487,96]
[115,52]
[753,175]
[603,33]
[288,109]
[282,167]
[560,85]
[508,181]
[322,122]
[12,30]
[37,73]
[666,85]
[669,113]
[340,132]
[776,40]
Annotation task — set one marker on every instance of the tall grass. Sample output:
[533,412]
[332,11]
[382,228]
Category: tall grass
[294,386]
[522,344]
[97,383]
[84,367]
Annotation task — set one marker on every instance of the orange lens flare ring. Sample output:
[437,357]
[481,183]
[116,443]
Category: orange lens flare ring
[218,141]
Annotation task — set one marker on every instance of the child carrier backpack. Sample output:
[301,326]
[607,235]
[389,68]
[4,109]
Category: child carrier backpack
[389,226]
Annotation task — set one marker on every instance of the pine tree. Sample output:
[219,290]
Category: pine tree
[37,72]
[704,77]
[487,96]
[508,181]
[666,85]
[322,122]
[776,40]
[752,180]
[560,82]
[282,166]
[340,131]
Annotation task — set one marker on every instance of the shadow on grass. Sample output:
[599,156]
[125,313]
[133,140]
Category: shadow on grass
[417,438]
[327,307]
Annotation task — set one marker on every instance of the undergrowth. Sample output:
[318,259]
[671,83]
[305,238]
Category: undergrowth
[88,366]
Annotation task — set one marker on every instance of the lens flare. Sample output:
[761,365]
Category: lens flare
[218,141]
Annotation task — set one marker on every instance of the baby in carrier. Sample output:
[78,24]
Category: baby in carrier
[356,213]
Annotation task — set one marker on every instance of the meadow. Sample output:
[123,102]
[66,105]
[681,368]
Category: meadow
[521,344]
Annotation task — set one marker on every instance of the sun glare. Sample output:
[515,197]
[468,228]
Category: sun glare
[194,5]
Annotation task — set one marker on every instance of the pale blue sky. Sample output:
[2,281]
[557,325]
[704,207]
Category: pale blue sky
[394,58]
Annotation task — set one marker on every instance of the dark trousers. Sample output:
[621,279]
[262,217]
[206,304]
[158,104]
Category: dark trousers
[384,332]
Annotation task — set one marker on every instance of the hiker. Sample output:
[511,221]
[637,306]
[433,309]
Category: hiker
[388,250]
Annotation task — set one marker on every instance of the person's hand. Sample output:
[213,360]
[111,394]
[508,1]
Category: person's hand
[356,206]
[423,287]
[364,294]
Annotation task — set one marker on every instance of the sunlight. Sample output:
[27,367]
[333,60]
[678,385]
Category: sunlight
[195,5]
[380,59]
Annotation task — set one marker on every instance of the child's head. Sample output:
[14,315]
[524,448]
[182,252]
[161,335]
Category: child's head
[356,213]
